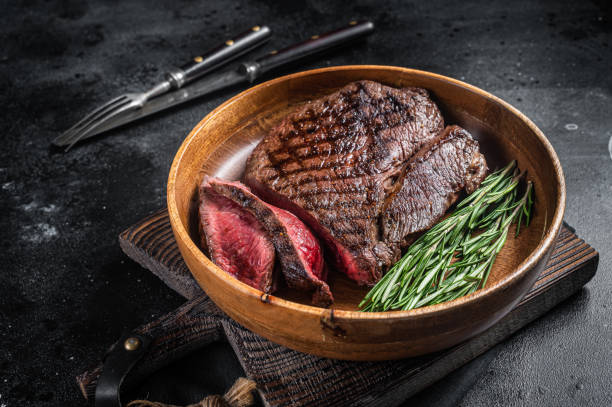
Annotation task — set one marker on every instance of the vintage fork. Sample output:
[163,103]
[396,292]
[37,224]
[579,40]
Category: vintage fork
[174,79]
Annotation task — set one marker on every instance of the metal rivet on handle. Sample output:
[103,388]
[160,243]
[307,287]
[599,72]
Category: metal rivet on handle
[131,344]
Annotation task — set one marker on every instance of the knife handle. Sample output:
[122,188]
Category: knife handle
[316,43]
[218,56]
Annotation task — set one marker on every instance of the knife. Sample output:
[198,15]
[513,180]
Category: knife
[246,72]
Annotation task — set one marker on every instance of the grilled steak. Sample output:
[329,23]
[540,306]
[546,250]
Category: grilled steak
[335,161]
[297,249]
[235,240]
[434,178]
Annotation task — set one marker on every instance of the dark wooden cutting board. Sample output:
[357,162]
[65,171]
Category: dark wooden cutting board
[287,377]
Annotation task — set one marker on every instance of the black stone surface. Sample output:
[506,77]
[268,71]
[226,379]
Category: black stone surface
[66,290]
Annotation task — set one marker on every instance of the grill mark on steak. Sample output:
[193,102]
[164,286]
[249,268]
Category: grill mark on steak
[336,204]
[297,250]
[371,130]
[336,137]
[354,163]
[324,191]
[309,180]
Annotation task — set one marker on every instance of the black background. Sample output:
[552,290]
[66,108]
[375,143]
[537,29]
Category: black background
[67,291]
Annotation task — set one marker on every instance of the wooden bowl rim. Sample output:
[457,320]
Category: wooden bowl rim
[545,243]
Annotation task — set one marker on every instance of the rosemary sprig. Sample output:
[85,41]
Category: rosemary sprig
[452,260]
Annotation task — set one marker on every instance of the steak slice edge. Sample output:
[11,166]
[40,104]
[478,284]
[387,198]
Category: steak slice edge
[297,249]
[235,240]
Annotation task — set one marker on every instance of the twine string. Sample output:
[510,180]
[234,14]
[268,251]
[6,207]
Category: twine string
[239,395]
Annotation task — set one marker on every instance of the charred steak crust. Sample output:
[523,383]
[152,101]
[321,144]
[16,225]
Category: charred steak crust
[334,161]
[434,178]
[299,272]
[235,240]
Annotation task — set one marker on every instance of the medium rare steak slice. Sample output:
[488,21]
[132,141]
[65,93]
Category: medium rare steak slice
[434,178]
[297,249]
[334,161]
[235,240]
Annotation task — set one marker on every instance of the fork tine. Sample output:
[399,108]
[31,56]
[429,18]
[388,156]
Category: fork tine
[84,133]
[96,110]
[66,135]
[92,118]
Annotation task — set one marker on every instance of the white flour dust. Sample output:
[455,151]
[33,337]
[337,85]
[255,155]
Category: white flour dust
[39,233]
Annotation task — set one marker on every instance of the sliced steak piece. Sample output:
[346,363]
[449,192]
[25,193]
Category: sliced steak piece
[434,178]
[297,250]
[235,240]
[334,161]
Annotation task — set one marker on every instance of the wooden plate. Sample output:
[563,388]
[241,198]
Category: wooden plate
[219,145]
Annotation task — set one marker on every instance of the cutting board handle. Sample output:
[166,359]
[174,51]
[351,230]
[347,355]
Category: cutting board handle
[194,325]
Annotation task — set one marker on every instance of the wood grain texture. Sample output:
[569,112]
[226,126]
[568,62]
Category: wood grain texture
[219,145]
[151,244]
[287,377]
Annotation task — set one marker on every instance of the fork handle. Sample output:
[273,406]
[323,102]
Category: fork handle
[218,56]
[313,45]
